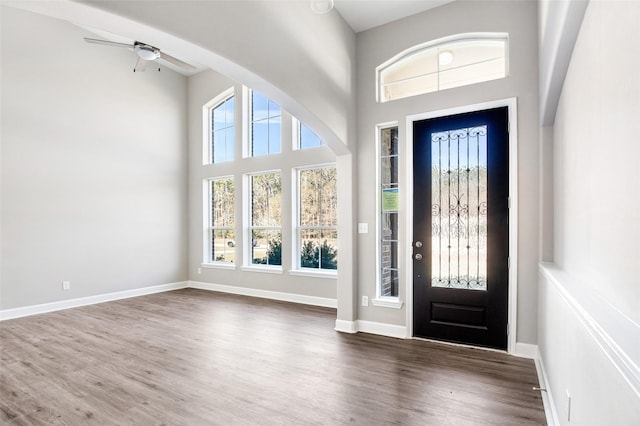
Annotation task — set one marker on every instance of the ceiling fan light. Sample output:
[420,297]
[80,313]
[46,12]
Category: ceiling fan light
[147,53]
[321,6]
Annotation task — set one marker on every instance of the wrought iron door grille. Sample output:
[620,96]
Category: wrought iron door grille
[459,208]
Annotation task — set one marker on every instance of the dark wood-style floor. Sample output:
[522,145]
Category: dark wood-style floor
[192,357]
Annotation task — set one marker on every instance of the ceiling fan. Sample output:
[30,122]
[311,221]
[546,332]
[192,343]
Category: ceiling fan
[145,53]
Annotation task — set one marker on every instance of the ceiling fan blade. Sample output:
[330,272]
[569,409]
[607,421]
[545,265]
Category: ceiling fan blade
[107,43]
[177,62]
[141,65]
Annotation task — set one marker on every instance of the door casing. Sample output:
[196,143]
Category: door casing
[511,103]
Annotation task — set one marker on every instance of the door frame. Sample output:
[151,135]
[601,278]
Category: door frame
[512,104]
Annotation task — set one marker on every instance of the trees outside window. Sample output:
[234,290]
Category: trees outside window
[266,219]
[317,235]
[222,223]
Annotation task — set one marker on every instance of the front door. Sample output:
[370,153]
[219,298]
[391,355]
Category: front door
[460,227]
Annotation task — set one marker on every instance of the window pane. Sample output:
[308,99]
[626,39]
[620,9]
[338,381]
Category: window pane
[265,126]
[389,170]
[329,197]
[309,248]
[388,242]
[229,112]
[222,135]
[266,200]
[390,282]
[266,247]
[309,197]
[274,136]
[259,106]
[219,119]
[389,139]
[437,65]
[222,202]
[223,246]
[219,145]
[260,138]
[308,139]
[229,137]
[329,250]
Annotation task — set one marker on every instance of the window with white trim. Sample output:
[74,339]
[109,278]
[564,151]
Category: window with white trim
[265,125]
[446,63]
[317,230]
[305,138]
[222,131]
[388,210]
[221,220]
[265,228]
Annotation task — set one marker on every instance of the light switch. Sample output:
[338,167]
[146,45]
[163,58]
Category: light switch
[363,228]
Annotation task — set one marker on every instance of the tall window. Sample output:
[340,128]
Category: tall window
[306,137]
[265,125]
[266,219]
[221,229]
[222,131]
[318,219]
[389,212]
[443,64]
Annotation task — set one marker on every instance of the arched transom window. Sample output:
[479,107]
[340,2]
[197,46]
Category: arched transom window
[441,64]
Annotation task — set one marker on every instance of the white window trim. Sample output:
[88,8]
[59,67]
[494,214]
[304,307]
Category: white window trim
[314,273]
[207,145]
[247,121]
[380,300]
[296,134]
[219,265]
[207,262]
[246,225]
[295,256]
[438,43]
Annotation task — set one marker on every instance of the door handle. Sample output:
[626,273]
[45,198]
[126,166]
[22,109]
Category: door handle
[418,256]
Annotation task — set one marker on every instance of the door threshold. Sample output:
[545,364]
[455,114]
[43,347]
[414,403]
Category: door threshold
[461,345]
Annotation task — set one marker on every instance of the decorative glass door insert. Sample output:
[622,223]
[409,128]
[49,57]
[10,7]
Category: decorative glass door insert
[459,208]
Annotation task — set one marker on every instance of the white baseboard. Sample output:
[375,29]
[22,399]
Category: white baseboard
[526,350]
[381,329]
[547,398]
[89,300]
[346,326]
[266,294]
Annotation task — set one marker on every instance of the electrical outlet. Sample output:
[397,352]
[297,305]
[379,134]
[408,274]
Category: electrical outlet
[568,405]
[363,228]
[66,285]
[365,301]
[199,271]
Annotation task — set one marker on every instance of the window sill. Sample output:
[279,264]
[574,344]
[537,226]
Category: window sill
[218,265]
[387,303]
[265,269]
[314,273]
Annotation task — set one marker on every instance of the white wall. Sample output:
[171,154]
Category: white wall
[589,337]
[93,166]
[303,61]
[204,87]
[377,45]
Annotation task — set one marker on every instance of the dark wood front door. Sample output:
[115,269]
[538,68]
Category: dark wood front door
[460,226]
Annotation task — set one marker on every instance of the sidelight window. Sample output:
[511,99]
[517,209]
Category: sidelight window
[388,231]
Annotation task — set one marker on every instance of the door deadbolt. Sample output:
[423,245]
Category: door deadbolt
[418,244]
[418,256]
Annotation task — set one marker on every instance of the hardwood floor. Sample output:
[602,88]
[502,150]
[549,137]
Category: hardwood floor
[193,357]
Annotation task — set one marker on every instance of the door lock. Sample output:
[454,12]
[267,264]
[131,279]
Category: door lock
[418,256]
[418,244]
